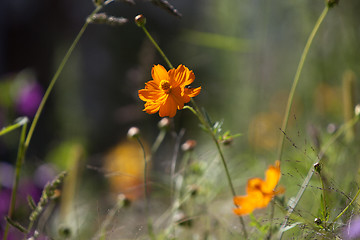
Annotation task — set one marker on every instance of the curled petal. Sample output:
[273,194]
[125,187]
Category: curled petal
[192,92]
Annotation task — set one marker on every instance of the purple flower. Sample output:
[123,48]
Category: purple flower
[352,229]
[29,98]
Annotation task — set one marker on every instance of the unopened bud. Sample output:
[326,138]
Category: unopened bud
[123,200]
[133,132]
[317,221]
[194,189]
[140,20]
[188,145]
[182,219]
[331,128]
[164,123]
[98,2]
[317,167]
[357,110]
[331,3]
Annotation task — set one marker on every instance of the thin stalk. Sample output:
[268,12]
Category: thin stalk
[200,116]
[325,213]
[57,74]
[18,123]
[304,185]
[297,77]
[149,223]
[145,173]
[120,203]
[345,209]
[26,138]
[157,46]
[19,163]
[158,141]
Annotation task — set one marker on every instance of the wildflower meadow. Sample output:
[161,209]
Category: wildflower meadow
[164,120]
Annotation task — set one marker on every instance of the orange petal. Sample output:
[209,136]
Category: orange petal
[272,178]
[168,107]
[150,95]
[247,204]
[151,107]
[254,185]
[192,92]
[182,76]
[159,73]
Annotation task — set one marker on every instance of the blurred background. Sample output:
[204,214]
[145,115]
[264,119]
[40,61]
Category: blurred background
[244,55]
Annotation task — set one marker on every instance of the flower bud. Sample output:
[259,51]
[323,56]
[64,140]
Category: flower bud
[317,221]
[125,201]
[98,2]
[164,124]
[331,3]
[357,110]
[133,133]
[189,145]
[140,20]
[317,167]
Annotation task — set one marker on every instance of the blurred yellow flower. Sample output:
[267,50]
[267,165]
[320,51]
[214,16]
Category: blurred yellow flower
[125,167]
[168,91]
[259,192]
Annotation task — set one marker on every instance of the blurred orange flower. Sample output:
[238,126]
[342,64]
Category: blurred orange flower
[168,91]
[125,167]
[259,192]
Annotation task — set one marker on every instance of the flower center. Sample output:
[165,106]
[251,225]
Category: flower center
[165,86]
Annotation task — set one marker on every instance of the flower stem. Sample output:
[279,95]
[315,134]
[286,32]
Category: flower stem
[157,46]
[297,77]
[26,138]
[200,116]
[346,208]
[19,163]
[304,185]
[56,76]
[149,223]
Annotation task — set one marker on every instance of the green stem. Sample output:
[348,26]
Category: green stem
[25,141]
[325,213]
[200,116]
[145,173]
[158,141]
[57,74]
[149,223]
[338,216]
[297,77]
[304,185]
[19,163]
[120,203]
[18,123]
[157,47]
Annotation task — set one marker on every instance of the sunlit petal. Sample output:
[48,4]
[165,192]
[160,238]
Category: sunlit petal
[159,73]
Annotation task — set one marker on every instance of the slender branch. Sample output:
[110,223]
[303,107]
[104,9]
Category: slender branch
[304,185]
[56,76]
[157,47]
[297,77]
[19,163]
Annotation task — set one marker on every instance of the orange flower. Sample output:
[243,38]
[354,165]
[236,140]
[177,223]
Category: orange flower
[259,192]
[168,91]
